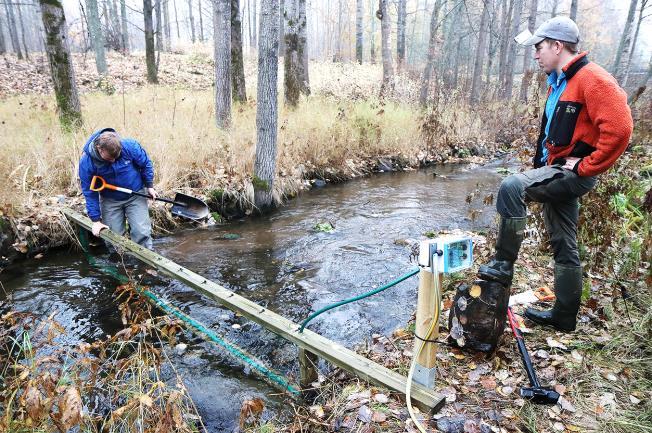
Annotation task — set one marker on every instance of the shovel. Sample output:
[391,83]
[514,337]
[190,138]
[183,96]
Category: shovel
[185,206]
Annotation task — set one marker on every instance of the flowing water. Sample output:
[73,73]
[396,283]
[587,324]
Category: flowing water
[281,262]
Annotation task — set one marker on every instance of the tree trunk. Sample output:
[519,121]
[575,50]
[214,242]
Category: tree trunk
[492,46]
[13,31]
[476,81]
[3,44]
[573,10]
[249,25]
[125,29]
[266,109]
[505,24]
[400,34]
[291,56]
[201,23]
[456,68]
[159,28]
[176,18]
[432,52]
[413,27]
[338,37]
[511,54]
[283,9]
[22,31]
[115,24]
[372,37]
[237,61]
[61,68]
[625,41]
[302,48]
[385,30]
[637,94]
[167,31]
[222,47]
[359,11]
[254,14]
[528,62]
[150,55]
[97,37]
[191,20]
[641,17]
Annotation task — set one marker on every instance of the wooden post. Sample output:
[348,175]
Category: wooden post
[307,368]
[426,301]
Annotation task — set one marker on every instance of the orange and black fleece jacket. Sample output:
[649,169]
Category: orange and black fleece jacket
[592,120]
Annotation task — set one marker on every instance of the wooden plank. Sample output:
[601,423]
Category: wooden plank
[425,399]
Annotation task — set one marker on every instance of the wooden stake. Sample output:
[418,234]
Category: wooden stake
[425,313]
[307,368]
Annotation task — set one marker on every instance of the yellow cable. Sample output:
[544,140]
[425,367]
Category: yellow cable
[433,325]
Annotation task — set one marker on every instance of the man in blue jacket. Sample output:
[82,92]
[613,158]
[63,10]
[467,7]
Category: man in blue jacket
[121,162]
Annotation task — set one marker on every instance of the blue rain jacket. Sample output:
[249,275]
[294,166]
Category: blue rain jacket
[132,170]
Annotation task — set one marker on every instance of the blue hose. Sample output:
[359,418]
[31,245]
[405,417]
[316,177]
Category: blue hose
[357,298]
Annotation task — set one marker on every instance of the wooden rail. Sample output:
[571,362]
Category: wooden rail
[311,343]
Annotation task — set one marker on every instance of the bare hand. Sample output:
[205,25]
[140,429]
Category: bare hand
[152,193]
[571,163]
[98,227]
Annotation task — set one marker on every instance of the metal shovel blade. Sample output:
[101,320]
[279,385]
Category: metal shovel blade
[195,208]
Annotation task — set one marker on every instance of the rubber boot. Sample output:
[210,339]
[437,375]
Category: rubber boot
[568,293]
[510,236]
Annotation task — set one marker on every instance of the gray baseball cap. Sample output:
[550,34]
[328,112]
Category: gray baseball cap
[558,28]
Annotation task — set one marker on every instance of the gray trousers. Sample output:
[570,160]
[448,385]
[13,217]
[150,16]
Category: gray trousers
[135,211]
[559,190]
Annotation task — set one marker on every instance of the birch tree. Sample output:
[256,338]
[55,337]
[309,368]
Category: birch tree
[291,57]
[222,54]
[22,30]
[167,25]
[266,108]
[385,30]
[480,54]
[372,37]
[359,11]
[641,17]
[3,44]
[191,20]
[97,37]
[302,48]
[13,31]
[61,68]
[573,10]
[125,29]
[432,52]
[237,61]
[528,62]
[400,33]
[511,53]
[201,22]
[618,69]
[150,55]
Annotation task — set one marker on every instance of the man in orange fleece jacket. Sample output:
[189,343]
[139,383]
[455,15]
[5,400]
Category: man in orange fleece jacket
[586,126]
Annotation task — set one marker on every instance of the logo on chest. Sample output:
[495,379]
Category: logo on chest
[571,109]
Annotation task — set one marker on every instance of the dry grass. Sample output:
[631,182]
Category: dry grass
[176,126]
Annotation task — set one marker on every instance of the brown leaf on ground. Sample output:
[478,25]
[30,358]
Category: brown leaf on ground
[70,406]
[34,403]
[250,412]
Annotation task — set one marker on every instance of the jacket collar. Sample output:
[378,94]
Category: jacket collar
[577,63]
